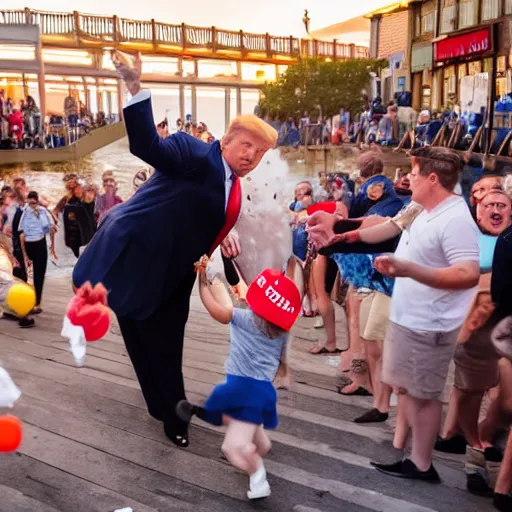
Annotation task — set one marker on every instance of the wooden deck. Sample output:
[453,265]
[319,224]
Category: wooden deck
[89,444]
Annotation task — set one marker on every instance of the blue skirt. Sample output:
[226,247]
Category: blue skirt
[244,399]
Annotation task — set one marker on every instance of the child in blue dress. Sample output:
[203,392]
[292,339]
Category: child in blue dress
[246,401]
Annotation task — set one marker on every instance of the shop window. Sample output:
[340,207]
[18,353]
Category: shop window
[508,6]
[448,16]
[491,9]
[468,13]
[501,64]
[462,71]
[475,68]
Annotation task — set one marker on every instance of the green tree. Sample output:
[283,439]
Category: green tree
[319,87]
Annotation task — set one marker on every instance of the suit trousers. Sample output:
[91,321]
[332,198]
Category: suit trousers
[155,347]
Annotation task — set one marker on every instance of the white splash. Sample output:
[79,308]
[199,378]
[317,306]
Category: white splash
[264,224]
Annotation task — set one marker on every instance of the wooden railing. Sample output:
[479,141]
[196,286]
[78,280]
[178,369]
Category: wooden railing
[86,27]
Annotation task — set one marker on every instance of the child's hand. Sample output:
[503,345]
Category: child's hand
[200,266]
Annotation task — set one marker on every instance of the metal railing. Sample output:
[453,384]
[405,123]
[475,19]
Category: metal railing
[112,29]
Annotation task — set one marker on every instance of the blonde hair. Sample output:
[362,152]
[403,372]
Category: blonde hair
[252,124]
[268,329]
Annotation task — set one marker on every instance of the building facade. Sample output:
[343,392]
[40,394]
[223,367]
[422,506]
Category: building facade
[451,43]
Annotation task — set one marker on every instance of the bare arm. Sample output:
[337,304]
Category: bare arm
[460,276]
[217,311]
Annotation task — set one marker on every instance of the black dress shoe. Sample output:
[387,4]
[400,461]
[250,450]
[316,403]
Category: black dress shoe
[179,438]
[456,444]
[372,416]
[407,469]
[502,502]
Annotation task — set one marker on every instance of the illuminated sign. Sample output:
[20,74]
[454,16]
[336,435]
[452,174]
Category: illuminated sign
[464,45]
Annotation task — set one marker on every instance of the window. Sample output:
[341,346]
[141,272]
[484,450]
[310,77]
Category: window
[508,6]
[468,13]
[428,22]
[448,16]
[417,25]
[491,9]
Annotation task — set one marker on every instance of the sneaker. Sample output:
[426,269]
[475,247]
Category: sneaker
[456,444]
[407,469]
[319,323]
[493,457]
[260,491]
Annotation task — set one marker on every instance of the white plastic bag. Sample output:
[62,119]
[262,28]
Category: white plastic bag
[9,392]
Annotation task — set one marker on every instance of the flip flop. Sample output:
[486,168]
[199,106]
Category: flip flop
[324,350]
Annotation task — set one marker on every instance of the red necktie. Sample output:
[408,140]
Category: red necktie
[232,212]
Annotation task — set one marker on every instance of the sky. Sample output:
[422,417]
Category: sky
[278,17]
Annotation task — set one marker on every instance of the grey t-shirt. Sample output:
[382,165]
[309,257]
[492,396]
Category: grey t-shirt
[251,353]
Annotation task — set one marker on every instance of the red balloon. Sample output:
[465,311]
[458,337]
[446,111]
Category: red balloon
[88,309]
[10,433]
[326,206]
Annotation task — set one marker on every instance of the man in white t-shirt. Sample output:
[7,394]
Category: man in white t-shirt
[436,270]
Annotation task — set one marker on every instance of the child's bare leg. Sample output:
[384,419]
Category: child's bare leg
[262,442]
[239,447]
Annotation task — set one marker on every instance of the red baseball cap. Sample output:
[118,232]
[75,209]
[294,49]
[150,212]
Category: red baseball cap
[326,206]
[274,297]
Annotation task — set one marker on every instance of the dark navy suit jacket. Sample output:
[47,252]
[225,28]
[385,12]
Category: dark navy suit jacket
[146,247]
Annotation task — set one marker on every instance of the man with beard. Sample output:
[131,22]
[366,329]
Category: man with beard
[145,248]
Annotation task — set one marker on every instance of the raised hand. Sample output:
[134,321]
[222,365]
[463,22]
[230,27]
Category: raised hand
[129,69]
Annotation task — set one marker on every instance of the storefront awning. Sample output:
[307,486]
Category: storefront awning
[463,46]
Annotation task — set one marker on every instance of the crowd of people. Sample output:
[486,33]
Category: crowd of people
[422,282]
[23,127]
[27,220]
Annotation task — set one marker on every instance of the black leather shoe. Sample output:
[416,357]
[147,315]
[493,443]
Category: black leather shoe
[180,439]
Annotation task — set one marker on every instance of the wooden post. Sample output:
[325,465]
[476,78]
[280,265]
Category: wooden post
[242,44]
[238,101]
[334,43]
[41,84]
[76,20]
[315,48]
[268,45]
[153,33]
[115,29]
[227,107]
[214,39]
[194,103]
[28,16]
[352,51]
[291,45]
[182,102]
[183,35]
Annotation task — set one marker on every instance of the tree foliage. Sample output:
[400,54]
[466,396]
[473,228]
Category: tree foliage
[319,87]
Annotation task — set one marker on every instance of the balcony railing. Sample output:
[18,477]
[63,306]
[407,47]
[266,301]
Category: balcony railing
[87,28]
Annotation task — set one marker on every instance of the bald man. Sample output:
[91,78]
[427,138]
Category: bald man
[145,249]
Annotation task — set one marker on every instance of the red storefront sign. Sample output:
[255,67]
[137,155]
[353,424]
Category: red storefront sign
[463,45]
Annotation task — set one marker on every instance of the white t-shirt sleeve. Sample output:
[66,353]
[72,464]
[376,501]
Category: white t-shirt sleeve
[460,240]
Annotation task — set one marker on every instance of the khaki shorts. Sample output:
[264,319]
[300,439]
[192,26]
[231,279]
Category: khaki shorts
[417,361]
[374,316]
[476,361]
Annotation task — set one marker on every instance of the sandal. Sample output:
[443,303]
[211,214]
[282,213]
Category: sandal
[323,350]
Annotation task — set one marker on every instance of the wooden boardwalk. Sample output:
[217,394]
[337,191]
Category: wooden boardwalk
[89,444]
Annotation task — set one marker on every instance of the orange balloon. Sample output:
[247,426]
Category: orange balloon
[10,433]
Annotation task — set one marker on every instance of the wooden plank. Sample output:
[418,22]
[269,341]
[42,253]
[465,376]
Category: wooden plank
[157,456]
[54,490]
[13,500]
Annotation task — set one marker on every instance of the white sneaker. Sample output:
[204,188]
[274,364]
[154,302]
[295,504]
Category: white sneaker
[261,490]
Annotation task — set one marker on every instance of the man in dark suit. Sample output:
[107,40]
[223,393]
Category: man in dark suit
[145,249]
